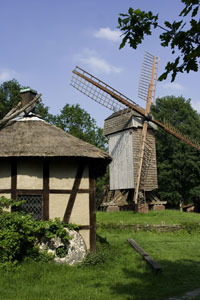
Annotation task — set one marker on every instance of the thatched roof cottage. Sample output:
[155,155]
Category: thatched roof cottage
[53,171]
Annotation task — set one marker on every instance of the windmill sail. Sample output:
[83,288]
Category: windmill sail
[105,95]
[150,63]
[99,91]
[147,85]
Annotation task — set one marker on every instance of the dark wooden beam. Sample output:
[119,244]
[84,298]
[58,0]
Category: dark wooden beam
[92,207]
[29,192]
[84,227]
[14,179]
[5,191]
[74,192]
[56,191]
[154,265]
[39,192]
[45,189]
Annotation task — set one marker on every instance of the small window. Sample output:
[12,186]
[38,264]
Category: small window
[32,205]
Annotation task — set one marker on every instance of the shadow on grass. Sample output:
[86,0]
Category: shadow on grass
[176,279]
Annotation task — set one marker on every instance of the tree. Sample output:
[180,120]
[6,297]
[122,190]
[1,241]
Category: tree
[76,121]
[178,163]
[10,97]
[180,35]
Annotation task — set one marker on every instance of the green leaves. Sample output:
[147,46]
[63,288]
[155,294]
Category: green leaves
[136,24]
[76,121]
[10,97]
[20,234]
[189,5]
[178,163]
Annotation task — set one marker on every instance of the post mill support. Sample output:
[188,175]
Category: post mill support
[144,133]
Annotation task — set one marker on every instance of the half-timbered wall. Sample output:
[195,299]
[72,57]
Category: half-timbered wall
[66,186]
[5,179]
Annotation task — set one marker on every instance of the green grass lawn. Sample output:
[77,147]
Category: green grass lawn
[168,217]
[123,275]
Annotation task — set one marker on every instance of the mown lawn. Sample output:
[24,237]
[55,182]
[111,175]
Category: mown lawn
[122,273]
[167,217]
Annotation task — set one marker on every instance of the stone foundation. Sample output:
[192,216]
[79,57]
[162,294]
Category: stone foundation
[112,208]
[142,208]
[158,207]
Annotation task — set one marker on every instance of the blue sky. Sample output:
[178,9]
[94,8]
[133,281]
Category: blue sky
[43,40]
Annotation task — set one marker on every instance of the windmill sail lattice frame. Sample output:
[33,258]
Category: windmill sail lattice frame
[147,89]
[110,101]
[107,96]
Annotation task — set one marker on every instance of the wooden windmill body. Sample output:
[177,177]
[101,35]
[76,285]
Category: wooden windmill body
[124,137]
[131,130]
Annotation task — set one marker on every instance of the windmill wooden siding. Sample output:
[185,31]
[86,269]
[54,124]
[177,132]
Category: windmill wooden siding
[121,167]
[124,133]
[149,182]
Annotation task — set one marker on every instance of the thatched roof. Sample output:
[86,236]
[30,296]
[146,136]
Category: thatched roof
[33,137]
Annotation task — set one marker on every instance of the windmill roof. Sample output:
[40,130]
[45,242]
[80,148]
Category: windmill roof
[123,120]
[32,137]
[126,112]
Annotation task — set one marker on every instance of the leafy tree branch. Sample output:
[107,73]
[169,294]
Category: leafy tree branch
[181,36]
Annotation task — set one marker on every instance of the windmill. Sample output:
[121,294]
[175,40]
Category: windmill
[107,96]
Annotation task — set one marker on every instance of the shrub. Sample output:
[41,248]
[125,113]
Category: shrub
[20,234]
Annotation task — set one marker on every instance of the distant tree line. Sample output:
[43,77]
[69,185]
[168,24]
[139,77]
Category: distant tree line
[178,163]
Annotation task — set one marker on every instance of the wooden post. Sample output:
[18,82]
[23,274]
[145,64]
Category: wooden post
[92,205]
[144,134]
[74,192]
[14,179]
[155,266]
[45,189]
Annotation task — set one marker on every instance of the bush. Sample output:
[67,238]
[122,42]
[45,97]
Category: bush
[20,235]
[101,255]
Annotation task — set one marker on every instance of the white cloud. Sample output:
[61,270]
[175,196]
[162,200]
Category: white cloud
[108,34]
[98,65]
[173,86]
[6,74]
[196,105]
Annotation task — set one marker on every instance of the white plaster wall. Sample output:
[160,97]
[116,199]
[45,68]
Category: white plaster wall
[5,174]
[86,236]
[85,179]
[29,174]
[62,174]
[80,213]
[57,205]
